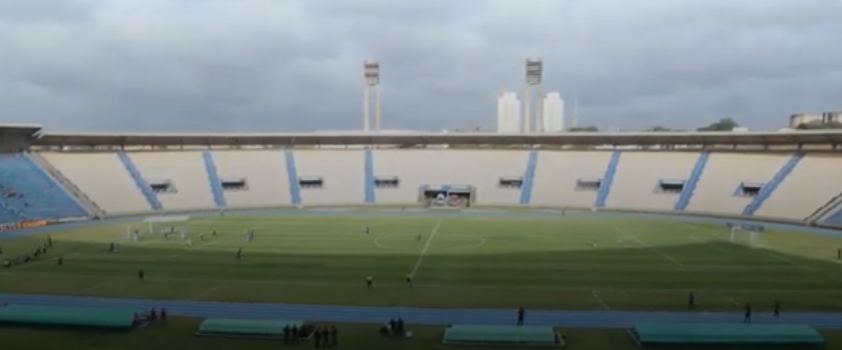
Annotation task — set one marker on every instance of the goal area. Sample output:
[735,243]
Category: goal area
[159,226]
[749,235]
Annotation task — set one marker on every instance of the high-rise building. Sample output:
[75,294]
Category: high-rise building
[508,114]
[818,118]
[553,113]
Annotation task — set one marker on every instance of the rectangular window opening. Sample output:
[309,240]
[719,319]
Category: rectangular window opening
[310,182]
[749,189]
[386,182]
[511,182]
[588,184]
[234,184]
[670,186]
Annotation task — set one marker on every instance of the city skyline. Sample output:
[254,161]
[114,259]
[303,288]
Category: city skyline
[510,113]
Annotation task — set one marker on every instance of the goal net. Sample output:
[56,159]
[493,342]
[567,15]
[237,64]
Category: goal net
[747,235]
[158,226]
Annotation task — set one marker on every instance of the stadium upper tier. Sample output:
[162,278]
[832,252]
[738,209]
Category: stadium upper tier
[793,184]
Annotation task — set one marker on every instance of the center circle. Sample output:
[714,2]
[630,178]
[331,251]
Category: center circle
[440,243]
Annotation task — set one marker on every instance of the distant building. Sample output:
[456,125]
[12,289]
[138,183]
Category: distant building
[553,110]
[508,114]
[824,118]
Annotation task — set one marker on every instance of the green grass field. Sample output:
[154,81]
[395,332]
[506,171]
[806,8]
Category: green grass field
[491,262]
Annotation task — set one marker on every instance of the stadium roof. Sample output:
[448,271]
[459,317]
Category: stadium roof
[19,130]
[783,138]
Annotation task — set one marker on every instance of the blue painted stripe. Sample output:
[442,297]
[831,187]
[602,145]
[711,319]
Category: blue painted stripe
[213,178]
[772,185]
[528,178]
[692,182]
[607,180]
[140,182]
[292,177]
[369,177]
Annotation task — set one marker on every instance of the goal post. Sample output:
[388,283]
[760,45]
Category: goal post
[746,234]
[166,224]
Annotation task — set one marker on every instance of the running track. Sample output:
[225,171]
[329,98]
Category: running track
[427,316]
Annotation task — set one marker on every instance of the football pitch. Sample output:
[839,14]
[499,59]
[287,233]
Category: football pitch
[572,262]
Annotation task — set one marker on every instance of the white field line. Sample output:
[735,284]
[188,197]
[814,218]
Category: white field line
[773,255]
[217,241]
[53,259]
[96,286]
[599,299]
[711,246]
[426,247]
[647,246]
[399,284]
[207,292]
[728,298]
[81,252]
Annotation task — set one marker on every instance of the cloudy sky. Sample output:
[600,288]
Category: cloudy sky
[295,65]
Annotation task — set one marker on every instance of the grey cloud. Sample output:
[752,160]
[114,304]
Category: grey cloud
[261,65]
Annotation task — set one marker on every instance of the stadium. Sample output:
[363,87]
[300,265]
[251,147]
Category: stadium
[606,240]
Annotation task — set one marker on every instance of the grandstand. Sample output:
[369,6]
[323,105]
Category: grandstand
[751,183]
[788,178]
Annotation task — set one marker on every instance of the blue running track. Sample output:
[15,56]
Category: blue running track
[426,316]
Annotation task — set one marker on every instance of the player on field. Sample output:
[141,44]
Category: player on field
[747,318]
[249,235]
[418,237]
[239,253]
[776,312]
[140,275]
[189,241]
[201,236]
[409,279]
[369,282]
[366,229]
[691,301]
[213,233]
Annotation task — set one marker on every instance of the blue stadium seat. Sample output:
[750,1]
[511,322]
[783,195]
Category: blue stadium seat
[7,216]
[29,193]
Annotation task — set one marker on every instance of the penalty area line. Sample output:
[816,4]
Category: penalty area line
[599,299]
[647,245]
[202,245]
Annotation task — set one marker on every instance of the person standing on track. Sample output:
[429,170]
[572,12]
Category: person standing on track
[521,314]
[747,317]
[776,312]
[691,301]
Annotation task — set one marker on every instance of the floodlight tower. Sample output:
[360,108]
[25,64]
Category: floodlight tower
[371,94]
[534,76]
